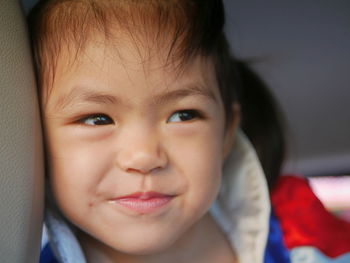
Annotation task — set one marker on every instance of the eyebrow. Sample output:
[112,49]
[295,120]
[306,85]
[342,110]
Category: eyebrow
[192,90]
[80,94]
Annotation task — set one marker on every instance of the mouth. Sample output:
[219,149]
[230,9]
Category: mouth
[143,202]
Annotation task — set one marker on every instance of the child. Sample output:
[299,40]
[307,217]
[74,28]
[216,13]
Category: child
[139,118]
[140,115]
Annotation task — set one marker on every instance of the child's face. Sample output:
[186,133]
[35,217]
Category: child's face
[116,126]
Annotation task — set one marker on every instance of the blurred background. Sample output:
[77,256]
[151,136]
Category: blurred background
[301,49]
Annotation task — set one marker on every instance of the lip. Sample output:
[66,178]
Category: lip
[143,202]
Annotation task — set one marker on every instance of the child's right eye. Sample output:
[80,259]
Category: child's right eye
[96,119]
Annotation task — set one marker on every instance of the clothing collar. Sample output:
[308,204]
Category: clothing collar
[242,208]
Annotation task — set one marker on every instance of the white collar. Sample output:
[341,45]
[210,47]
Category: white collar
[242,208]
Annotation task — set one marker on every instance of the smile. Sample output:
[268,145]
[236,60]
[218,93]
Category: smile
[144,203]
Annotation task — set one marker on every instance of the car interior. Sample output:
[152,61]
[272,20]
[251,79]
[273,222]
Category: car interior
[300,50]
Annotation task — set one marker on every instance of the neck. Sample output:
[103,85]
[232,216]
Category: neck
[194,246]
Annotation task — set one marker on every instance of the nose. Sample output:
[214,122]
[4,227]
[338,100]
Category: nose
[140,152]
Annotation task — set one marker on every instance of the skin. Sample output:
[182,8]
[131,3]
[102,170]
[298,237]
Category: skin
[118,124]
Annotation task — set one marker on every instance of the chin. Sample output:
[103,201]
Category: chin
[147,250]
[146,245]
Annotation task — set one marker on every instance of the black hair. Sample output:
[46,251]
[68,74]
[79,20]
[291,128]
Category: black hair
[262,121]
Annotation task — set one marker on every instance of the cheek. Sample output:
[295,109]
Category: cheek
[205,178]
[199,159]
[75,173]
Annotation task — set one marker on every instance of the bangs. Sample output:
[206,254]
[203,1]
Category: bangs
[182,29]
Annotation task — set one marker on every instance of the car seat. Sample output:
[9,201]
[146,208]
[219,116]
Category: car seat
[21,159]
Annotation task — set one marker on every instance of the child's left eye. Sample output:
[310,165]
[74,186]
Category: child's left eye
[184,115]
[96,119]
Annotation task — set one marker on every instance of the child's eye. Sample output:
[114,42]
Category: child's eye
[96,119]
[184,115]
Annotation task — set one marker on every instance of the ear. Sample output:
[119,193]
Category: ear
[231,128]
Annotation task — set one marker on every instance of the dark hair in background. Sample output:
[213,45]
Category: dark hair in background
[262,121]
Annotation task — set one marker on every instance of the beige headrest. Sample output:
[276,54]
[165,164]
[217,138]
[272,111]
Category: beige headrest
[21,162]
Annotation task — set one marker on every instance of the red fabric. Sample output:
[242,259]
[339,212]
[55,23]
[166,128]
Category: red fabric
[305,221]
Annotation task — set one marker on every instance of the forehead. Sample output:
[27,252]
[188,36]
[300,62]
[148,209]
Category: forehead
[123,66]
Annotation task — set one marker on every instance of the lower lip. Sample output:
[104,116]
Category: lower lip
[144,206]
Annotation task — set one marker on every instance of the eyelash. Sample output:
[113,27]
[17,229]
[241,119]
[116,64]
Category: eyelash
[188,115]
[100,119]
[97,119]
